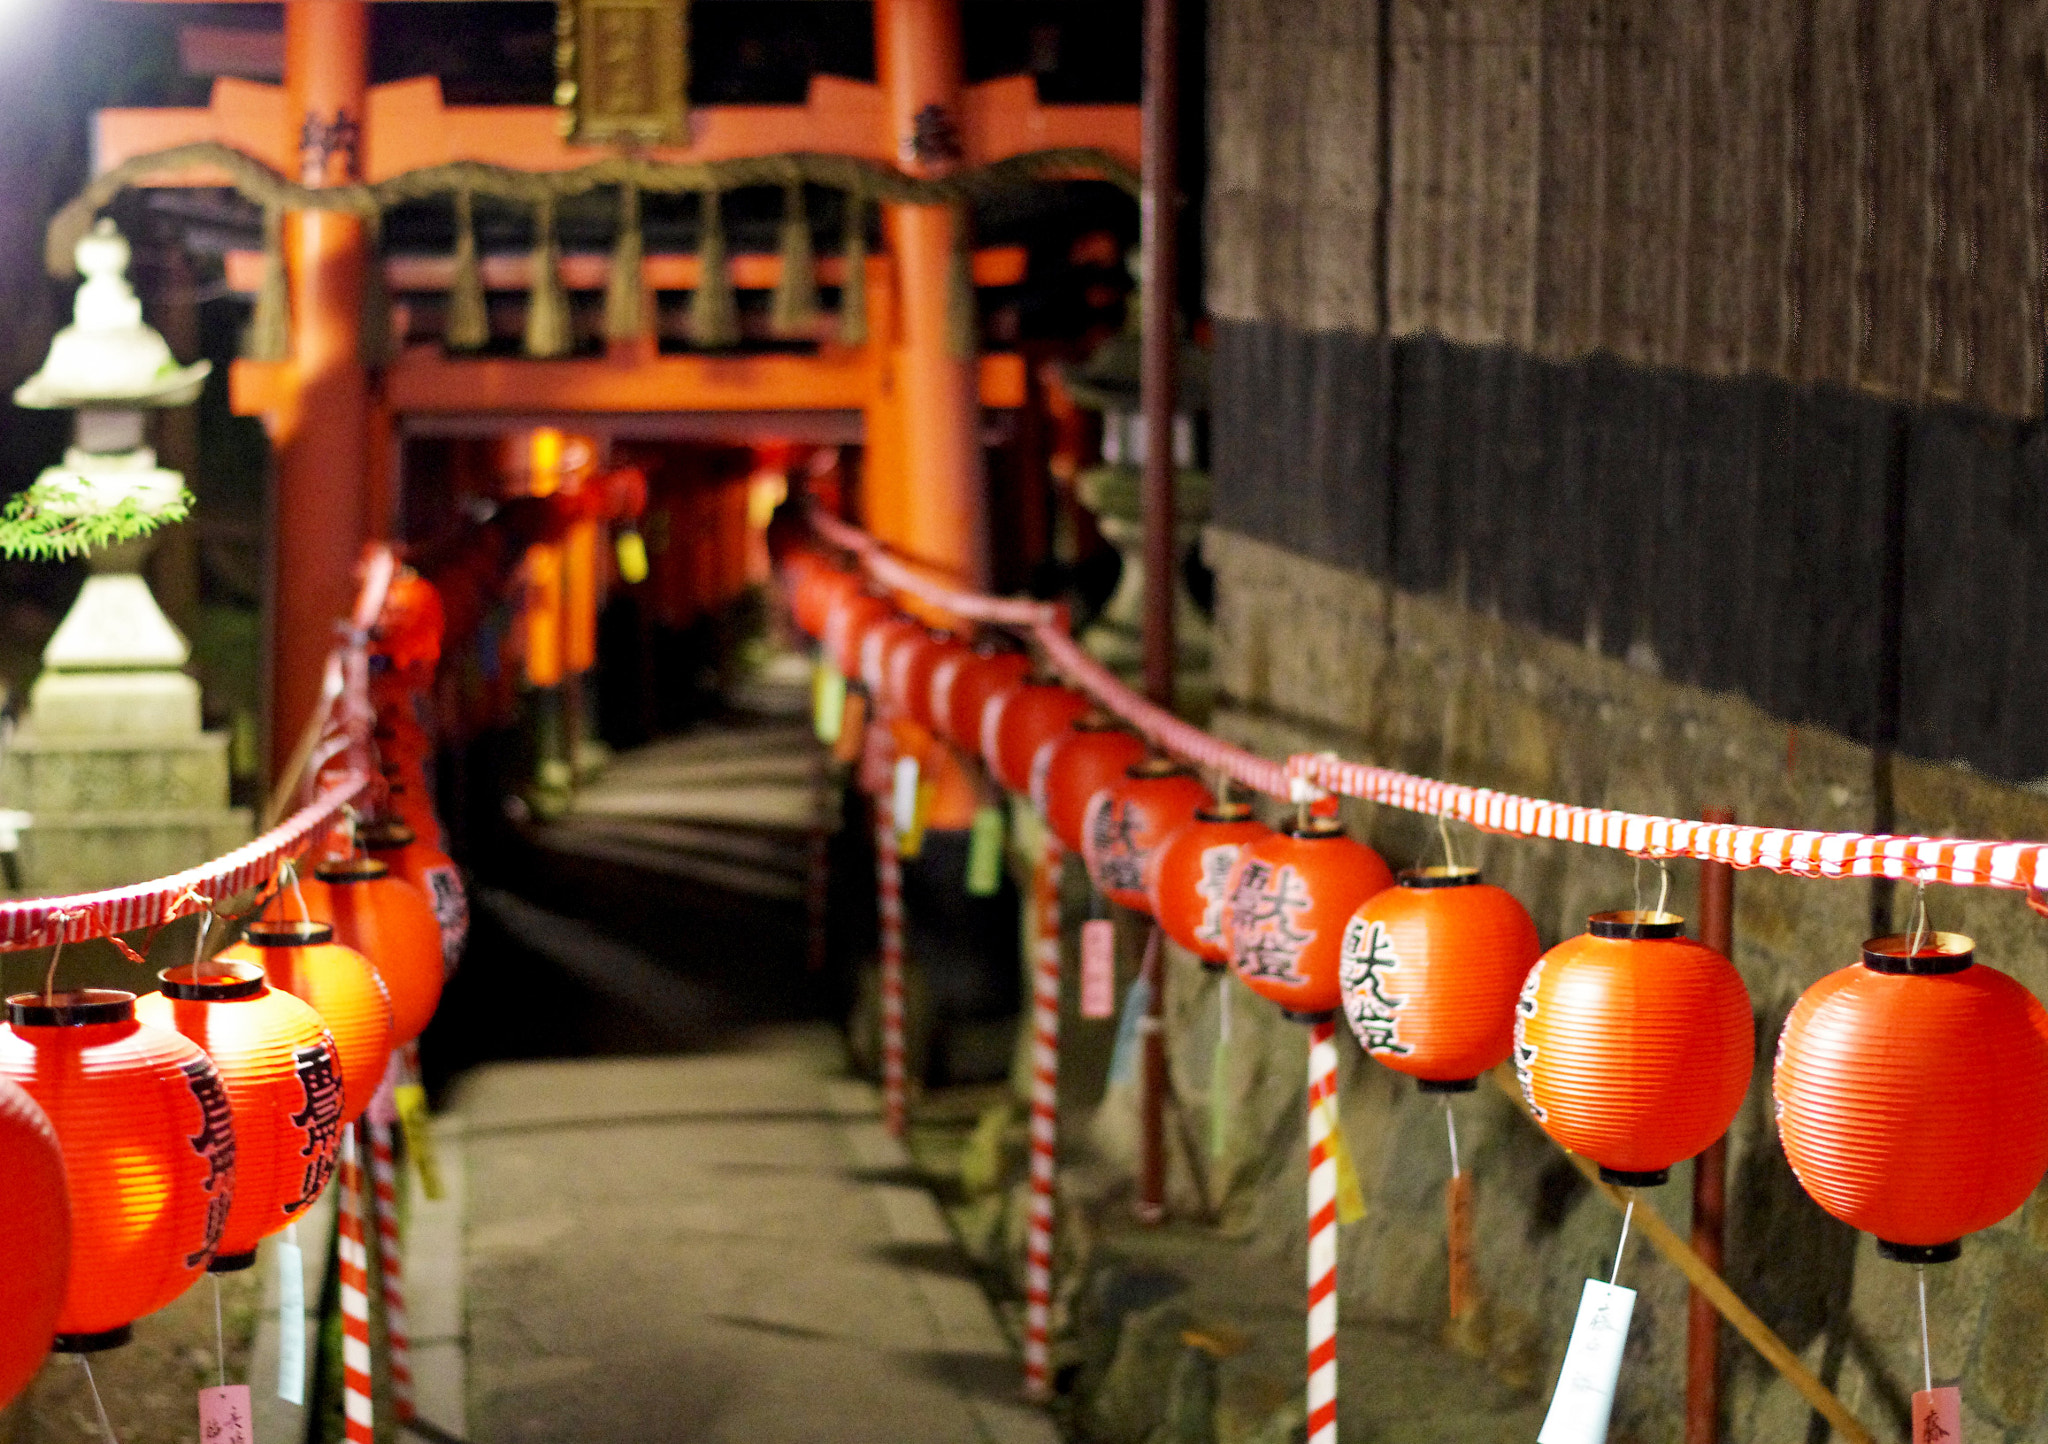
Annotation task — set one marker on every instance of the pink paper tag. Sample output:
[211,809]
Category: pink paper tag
[1098,968]
[224,1415]
[1937,1416]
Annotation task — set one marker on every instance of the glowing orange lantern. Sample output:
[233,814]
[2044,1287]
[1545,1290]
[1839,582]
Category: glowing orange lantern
[414,860]
[1069,770]
[283,1076]
[1634,1044]
[846,626]
[1912,1093]
[149,1152]
[1018,721]
[962,687]
[390,923]
[823,586]
[1126,822]
[1291,895]
[911,667]
[877,645]
[36,1203]
[1431,970]
[1188,883]
[339,984]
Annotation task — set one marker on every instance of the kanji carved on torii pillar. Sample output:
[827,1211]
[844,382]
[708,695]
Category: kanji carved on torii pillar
[329,419]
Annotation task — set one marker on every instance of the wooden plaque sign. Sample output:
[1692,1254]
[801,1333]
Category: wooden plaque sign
[622,70]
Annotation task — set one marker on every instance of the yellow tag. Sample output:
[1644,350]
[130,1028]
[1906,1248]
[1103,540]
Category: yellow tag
[419,1138]
[912,842]
[828,701]
[632,551]
[985,853]
[1350,1197]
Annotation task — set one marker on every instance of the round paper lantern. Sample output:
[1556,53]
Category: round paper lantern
[1431,970]
[339,984]
[828,586]
[36,1202]
[1188,883]
[149,1153]
[911,668]
[1126,822]
[846,626]
[962,687]
[1291,895]
[1634,1044]
[283,1076]
[877,645]
[1018,721]
[1912,1093]
[390,923]
[1069,770]
[414,860]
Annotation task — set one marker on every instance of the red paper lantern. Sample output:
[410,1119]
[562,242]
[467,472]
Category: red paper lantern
[911,668]
[828,587]
[1017,722]
[1291,895]
[390,923]
[1634,1044]
[36,1202]
[414,860]
[1126,822]
[1431,970]
[846,626]
[1188,884]
[1912,1093]
[962,687]
[283,1076]
[877,645]
[339,984]
[149,1152]
[1069,770]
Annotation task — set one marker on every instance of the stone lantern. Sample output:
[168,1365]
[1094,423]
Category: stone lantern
[118,781]
[1108,382]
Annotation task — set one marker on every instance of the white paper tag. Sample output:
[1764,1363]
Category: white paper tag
[291,1317]
[903,797]
[1584,1400]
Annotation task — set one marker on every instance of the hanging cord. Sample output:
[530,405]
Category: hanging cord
[220,1337]
[63,921]
[1451,1127]
[1223,1010]
[1627,1216]
[199,940]
[99,1406]
[1443,830]
[288,874]
[1913,942]
[1926,1353]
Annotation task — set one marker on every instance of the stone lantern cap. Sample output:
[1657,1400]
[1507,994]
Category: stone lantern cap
[108,357]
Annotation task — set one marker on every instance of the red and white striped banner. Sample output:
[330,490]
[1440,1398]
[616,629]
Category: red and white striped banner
[1045,1118]
[391,1268]
[357,1416]
[889,902]
[1322,1234]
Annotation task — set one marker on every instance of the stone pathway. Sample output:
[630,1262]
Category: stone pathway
[716,1247]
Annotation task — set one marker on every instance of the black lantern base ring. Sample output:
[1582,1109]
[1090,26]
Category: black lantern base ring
[1622,1178]
[1447,1085]
[1920,1253]
[1217,968]
[232,1263]
[92,1343]
[1327,1015]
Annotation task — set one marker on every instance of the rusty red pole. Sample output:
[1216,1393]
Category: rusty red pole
[1709,1184]
[1159,207]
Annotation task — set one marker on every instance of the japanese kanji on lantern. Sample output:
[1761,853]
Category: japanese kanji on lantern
[1292,894]
[412,859]
[1127,822]
[36,1203]
[303,959]
[1188,883]
[1073,766]
[149,1152]
[282,1073]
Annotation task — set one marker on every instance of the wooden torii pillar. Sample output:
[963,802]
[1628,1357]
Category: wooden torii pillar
[328,418]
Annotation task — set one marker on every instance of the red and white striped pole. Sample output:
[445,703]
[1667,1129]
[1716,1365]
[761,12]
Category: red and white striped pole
[357,1418]
[1045,1080]
[889,901]
[1322,1235]
[391,1267]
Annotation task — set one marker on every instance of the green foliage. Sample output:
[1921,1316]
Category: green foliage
[31,529]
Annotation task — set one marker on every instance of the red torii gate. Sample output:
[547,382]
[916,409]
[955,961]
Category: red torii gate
[330,420]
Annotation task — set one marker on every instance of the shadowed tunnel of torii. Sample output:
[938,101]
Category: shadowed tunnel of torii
[330,419]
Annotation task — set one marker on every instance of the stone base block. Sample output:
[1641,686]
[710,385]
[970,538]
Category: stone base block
[83,851]
[99,704]
[53,776]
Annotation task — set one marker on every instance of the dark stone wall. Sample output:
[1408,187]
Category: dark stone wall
[1867,566]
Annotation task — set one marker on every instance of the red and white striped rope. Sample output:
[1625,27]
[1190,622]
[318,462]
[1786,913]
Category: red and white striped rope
[1795,852]
[357,1416]
[889,903]
[391,1268]
[1322,1235]
[1045,1118]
